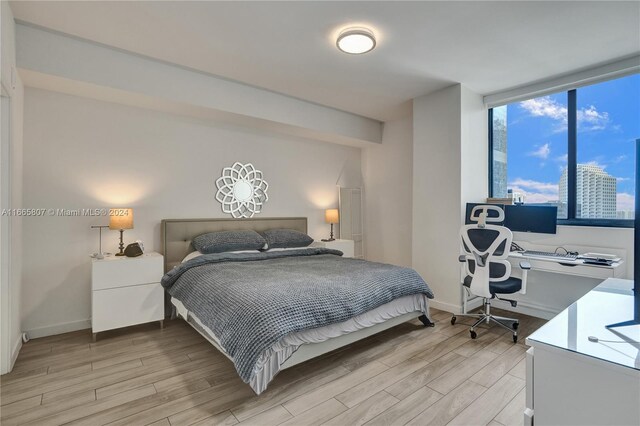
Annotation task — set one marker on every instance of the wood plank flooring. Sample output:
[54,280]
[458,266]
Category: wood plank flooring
[147,376]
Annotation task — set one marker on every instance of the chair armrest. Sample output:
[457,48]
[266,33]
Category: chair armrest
[462,258]
[525,265]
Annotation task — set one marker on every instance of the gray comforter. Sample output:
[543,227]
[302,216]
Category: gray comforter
[252,300]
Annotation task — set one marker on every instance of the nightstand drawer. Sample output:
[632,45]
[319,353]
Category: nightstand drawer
[124,272]
[125,306]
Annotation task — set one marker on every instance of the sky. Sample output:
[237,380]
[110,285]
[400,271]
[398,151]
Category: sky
[608,125]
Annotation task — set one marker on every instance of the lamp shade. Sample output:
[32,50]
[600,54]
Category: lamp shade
[121,218]
[332,216]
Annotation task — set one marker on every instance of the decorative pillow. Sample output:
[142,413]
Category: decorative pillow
[285,238]
[222,241]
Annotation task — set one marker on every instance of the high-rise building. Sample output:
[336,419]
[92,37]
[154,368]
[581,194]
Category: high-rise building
[626,214]
[595,193]
[500,152]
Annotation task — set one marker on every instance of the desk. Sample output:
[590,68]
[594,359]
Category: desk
[575,267]
[571,380]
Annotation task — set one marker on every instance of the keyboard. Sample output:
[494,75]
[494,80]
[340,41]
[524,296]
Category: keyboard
[550,255]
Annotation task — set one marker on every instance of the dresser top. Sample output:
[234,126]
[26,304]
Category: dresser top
[609,303]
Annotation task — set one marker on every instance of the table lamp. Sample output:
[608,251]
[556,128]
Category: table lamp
[331,216]
[121,219]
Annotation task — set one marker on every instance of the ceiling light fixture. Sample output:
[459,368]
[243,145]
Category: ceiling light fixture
[356,41]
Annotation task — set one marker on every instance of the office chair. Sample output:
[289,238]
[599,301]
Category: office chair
[487,270]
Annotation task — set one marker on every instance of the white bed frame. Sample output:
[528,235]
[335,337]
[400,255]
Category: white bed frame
[176,242]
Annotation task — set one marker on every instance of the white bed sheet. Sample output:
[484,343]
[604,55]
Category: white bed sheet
[270,362]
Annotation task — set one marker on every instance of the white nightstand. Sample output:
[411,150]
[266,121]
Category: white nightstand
[126,291]
[345,246]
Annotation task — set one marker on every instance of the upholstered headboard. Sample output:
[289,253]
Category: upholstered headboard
[178,233]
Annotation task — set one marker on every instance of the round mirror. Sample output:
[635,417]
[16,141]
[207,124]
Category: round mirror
[242,190]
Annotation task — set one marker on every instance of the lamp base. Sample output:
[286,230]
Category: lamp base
[121,246]
[330,236]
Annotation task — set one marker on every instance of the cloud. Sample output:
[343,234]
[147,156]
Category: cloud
[589,118]
[534,191]
[563,158]
[534,185]
[542,152]
[625,201]
[622,179]
[545,107]
[619,159]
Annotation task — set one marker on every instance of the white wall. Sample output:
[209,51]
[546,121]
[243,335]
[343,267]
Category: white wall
[449,169]
[474,154]
[11,184]
[7,46]
[388,176]
[437,193]
[82,153]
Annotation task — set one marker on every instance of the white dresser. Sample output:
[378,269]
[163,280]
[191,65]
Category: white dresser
[126,291]
[572,380]
[345,246]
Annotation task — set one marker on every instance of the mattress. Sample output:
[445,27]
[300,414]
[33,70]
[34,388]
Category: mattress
[272,360]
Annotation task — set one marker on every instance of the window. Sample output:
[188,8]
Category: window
[574,150]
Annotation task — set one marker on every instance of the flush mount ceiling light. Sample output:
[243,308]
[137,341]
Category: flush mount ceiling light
[356,40]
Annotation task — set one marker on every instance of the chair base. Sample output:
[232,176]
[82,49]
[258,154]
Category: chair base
[485,316]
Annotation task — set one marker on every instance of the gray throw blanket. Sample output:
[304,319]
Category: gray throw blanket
[252,300]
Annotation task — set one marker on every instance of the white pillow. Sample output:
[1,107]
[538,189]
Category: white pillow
[196,253]
[191,255]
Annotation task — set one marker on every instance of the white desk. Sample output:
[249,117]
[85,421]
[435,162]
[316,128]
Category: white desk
[576,267]
[573,381]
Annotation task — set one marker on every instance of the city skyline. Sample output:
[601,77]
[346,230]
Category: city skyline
[535,136]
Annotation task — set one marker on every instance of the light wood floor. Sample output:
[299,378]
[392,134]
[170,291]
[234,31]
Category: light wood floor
[143,375]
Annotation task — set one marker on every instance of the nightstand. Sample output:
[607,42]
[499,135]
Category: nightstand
[126,291]
[345,246]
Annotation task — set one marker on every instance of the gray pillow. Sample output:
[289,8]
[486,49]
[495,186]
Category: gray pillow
[286,238]
[218,242]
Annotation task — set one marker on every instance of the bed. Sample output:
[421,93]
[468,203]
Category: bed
[268,311]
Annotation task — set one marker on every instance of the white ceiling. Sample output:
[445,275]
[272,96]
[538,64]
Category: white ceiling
[288,47]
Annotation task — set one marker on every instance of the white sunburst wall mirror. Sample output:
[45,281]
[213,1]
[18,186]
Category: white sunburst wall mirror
[242,190]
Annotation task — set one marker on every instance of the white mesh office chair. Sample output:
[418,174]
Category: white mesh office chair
[487,270]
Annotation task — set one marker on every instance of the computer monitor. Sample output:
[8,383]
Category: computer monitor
[470,206]
[538,219]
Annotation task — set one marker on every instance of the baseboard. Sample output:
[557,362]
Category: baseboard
[52,330]
[443,306]
[531,309]
[15,351]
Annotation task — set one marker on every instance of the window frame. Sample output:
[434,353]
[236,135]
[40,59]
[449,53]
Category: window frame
[572,161]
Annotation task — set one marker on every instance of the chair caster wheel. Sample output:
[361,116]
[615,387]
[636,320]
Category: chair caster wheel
[453,320]
[473,334]
[515,339]
[515,326]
